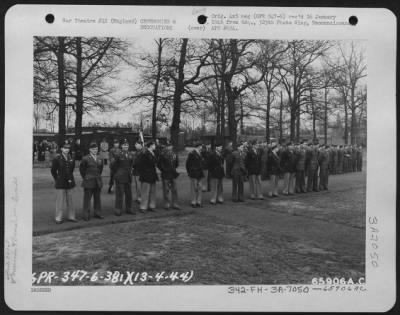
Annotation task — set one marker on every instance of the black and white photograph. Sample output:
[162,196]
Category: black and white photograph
[217,158]
[209,161]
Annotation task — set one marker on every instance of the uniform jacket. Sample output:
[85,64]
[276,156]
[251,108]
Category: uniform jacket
[312,159]
[300,160]
[264,162]
[122,166]
[216,165]
[253,162]
[62,170]
[205,154]
[113,153]
[136,162]
[286,161]
[167,163]
[147,167]
[273,163]
[91,170]
[323,159]
[194,165]
[238,163]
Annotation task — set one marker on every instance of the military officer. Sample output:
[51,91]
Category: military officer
[300,168]
[90,169]
[194,168]
[312,167]
[274,169]
[148,177]
[135,170]
[122,165]
[323,161]
[168,162]
[62,170]
[253,166]
[216,173]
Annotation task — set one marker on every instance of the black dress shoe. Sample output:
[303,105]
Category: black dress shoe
[98,216]
[72,220]
[199,205]
[152,209]
[142,211]
[59,221]
[213,203]
[176,207]
[193,205]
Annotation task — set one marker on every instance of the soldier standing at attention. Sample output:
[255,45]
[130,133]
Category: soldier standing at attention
[312,168]
[253,166]
[285,161]
[148,177]
[136,169]
[300,168]
[273,169]
[168,162]
[216,173]
[114,151]
[323,160]
[122,165]
[205,154]
[91,168]
[227,156]
[238,173]
[194,168]
[62,170]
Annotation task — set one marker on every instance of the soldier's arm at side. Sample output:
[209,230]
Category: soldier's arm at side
[54,168]
[82,168]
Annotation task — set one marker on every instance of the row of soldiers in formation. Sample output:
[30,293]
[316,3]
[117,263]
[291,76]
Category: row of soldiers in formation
[252,162]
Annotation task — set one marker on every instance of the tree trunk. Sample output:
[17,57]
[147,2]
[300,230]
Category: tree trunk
[298,124]
[313,116]
[267,114]
[353,127]
[280,119]
[223,121]
[346,120]
[61,89]
[179,89]
[79,89]
[326,118]
[155,95]
[232,126]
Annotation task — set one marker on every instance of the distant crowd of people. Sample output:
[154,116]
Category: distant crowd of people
[305,167]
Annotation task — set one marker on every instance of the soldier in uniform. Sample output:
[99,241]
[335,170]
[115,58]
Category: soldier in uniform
[148,177]
[114,151]
[238,172]
[339,166]
[135,170]
[168,162]
[285,161]
[300,168]
[334,153]
[216,173]
[62,170]
[194,168]
[323,160]
[122,165]
[205,154]
[253,167]
[312,168]
[227,156]
[274,169]
[90,169]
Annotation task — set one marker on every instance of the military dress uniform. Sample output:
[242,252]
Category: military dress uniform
[323,160]
[194,168]
[238,172]
[217,174]
[300,170]
[312,169]
[62,170]
[253,167]
[148,178]
[90,169]
[122,164]
[286,165]
[168,162]
[274,171]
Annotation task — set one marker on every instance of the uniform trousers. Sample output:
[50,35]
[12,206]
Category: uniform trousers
[121,190]
[359,164]
[205,184]
[273,183]
[312,179]
[237,187]
[286,182]
[300,181]
[148,193]
[323,178]
[169,188]
[255,187]
[87,196]
[196,188]
[216,190]
[136,186]
[64,203]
